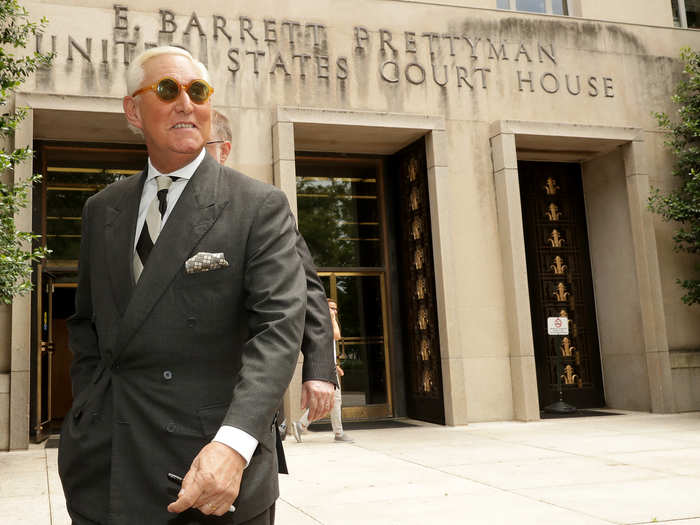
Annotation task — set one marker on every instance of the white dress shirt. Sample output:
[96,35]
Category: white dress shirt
[237,439]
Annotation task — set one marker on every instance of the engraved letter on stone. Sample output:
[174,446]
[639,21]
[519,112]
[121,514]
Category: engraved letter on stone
[120,19]
[167,21]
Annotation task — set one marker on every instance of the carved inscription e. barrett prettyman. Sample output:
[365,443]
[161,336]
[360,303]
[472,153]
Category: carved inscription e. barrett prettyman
[297,49]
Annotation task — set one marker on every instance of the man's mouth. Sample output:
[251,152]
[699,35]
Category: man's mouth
[182,125]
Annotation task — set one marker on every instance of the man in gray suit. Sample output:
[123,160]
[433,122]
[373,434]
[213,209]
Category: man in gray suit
[189,316]
[319,379]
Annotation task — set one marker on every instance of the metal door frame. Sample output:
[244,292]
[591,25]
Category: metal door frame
[367,411]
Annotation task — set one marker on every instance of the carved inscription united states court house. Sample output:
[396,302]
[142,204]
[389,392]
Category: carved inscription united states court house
[469,60]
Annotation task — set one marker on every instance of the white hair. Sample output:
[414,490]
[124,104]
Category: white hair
[135,73]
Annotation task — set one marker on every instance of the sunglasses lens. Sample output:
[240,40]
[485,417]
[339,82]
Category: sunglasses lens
[167,89]
[198,91]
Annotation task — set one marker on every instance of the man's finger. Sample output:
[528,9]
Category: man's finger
[314,404]
[304,397]
[218,506]
[188,495]
[212,507]
[321,405]
[321,410]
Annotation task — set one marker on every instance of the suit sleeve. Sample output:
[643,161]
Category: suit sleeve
[275,302]
[82,334]
[317,343]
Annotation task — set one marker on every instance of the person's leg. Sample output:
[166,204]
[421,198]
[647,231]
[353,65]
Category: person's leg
[304,419]
[337,418]
[299,426]
[336,413]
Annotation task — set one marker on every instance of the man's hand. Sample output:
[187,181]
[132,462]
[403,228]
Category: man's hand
[213,481]
[318,397]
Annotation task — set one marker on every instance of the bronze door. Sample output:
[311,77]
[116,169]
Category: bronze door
[424,397]
[560,283]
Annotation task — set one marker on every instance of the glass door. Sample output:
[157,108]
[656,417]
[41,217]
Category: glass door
[341,216]
[71,174]
[362,351]
[45,355]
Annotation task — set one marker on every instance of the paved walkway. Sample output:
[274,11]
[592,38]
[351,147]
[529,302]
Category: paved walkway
[628,469]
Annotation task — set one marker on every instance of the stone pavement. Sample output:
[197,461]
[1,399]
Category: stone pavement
[629,469]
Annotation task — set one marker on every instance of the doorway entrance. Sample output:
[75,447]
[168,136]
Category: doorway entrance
[560,283]
[341,214]
[71,173]
[366,221]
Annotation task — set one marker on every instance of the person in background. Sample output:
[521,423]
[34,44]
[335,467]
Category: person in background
[318,373]
[219,143]
[298,427]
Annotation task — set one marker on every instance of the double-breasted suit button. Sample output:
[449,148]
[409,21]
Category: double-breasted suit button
[191,322]
[170,427]
[167,375]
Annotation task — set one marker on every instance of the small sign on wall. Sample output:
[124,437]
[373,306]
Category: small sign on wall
[557,325]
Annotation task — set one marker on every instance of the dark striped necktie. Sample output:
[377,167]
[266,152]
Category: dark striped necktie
[153,224]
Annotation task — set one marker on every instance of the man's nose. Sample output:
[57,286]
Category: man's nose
[183,102]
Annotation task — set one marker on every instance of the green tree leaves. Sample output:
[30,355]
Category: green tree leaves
[682,205]
[16,251]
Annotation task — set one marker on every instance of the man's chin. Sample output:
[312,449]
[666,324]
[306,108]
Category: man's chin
[188,149]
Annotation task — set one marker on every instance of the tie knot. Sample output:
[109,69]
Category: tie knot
[164,182]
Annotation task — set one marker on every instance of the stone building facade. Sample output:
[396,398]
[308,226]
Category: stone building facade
[463,170]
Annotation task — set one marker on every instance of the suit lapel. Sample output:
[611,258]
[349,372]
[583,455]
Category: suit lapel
[193,215]
[120,229]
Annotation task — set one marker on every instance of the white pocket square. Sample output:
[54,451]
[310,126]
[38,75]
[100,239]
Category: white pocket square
[204,262]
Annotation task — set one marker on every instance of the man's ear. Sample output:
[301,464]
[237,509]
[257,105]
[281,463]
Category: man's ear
[225,150]
[131,110]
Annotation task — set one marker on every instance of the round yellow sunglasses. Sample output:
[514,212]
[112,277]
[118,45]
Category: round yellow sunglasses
[168,89]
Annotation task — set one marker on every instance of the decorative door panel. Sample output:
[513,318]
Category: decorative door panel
[419,307]
[560,283]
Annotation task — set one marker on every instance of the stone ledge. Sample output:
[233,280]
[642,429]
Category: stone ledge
[681,359]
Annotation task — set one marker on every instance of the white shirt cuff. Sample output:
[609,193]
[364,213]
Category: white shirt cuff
[238,440]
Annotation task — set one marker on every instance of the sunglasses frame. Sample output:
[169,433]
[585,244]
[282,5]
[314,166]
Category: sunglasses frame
[180,87]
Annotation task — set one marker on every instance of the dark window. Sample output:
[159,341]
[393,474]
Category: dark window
[676,13]
[692,13]
[686,13]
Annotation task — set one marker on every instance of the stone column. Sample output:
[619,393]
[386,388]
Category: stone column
[646,262]
[20,331]
[510,227]
[452,360]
